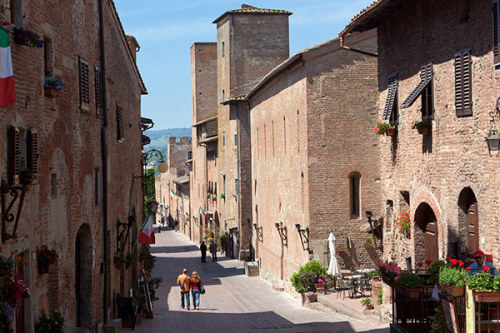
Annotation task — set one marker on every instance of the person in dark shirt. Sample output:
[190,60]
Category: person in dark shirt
[213,250]
[203,249]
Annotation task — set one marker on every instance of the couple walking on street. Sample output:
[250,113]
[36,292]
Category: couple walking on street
[213,251]
[192,284]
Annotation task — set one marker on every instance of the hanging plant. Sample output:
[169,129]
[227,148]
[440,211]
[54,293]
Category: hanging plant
[403,222]
[24,36]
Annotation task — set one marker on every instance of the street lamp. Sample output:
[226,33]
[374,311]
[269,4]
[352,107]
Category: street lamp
[304,238]
[493,140]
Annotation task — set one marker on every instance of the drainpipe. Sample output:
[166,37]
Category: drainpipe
[104,157]
[348,48]
[238,194]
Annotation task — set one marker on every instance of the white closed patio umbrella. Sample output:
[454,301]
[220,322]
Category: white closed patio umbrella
[333,268]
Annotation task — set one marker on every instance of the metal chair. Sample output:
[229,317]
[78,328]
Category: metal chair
[345,284]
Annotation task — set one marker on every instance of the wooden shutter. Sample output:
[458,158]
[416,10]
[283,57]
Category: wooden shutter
[472,229]
[496,32]
[33,151]
[391,97]
[425,79]
[14,155]
[463,89]
[431,241]
[98,90]
[83,71]
[119,123]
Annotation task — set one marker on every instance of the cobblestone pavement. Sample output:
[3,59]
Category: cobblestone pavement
[232,302]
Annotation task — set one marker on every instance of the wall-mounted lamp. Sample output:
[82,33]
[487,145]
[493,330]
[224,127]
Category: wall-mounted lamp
[125,230]
[493,140]
[258,232]
[283,233]
[304,238]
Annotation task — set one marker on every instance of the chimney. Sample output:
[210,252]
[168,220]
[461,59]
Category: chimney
[133,45]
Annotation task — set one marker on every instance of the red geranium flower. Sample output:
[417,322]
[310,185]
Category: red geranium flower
[420,264]
[461,263]
[454,262]
[468,268]
[428,261]
[486,268]
[448,259]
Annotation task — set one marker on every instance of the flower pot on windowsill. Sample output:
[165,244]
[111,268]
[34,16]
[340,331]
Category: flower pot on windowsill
[26,178]
[452,290]
[369,306]
[21,39]
[311,298]
[341,252]
[486,296]
[43,268]
[50,92]
[424,130]
[391,131]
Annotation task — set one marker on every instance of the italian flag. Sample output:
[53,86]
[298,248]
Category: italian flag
[7,91]
[147,235]
[172,194]
[202,211]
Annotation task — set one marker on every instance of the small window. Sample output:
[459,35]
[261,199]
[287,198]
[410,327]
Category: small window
[53,182]
[496,32]
[48,63]
[222,49]
[119,123]
[390,109]
[98,90]
[16,12]
[83,76]
[224,184]
[354,200]
[463,89]
[96,186]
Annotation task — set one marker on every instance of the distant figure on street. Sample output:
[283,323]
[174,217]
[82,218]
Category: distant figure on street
[481,264]
[196,290]
[184,283]
[213,250]
[203,249]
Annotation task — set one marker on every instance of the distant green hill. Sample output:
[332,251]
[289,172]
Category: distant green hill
[159,138]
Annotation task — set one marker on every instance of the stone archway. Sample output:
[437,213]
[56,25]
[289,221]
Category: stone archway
[425,234]
[83,276]
[468,223]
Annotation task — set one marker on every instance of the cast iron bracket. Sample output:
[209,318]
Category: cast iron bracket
[125,230]
[9,195]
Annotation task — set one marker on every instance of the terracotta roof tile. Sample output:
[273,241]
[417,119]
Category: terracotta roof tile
[247,9]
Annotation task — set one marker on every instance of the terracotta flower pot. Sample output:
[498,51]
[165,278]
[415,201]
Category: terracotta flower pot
[320,287]
[341,252]
[391,132]
[369,306]
[486,296]
[311,298]
[410,293]
[424,130]
[50,92]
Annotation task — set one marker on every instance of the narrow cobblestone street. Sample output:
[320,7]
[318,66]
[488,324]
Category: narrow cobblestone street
[233,302]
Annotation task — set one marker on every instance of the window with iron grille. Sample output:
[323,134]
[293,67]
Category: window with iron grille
[354,191]
[98,90]
[120,134]
[463,88]
[83,71]
[425,90]
[390,108]
[496,32]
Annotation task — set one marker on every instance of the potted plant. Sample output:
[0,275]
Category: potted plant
[409,284]
[367,302]
[340,248]
[385,128]
[24,36]
[403,222]
[7,313]
[452,279]
[15,288]
[44,258]
[375,274]
[485,286]
[423,127]
[389,271]
[311,297]
[52,85]
[432,272]
[368,242]
[320,285]
[54,323]
[119,260]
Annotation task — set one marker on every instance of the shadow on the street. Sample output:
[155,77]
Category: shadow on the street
[245,322]
[173,249]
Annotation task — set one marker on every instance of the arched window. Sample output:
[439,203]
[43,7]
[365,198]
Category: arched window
[354,195]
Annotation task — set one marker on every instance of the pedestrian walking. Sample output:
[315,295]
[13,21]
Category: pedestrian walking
[184,283]
[203,249]
[196,287]
[213,250]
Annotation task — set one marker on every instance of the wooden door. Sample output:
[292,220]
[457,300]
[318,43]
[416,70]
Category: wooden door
[431,241]
[472,229]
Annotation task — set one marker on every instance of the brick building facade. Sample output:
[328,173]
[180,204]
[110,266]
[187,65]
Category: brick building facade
[310,120]
[203,162]
[84,148]
[250,42]
[440,61]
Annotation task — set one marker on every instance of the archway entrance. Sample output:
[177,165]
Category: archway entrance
[468,222]
[83,276]
[426,234]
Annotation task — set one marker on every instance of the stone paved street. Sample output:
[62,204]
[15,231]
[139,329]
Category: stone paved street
[233,302]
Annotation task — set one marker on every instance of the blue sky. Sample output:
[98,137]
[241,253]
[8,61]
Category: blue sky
[166,30]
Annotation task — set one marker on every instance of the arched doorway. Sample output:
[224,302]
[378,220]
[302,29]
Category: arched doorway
[468,223]
[83,276]
[426,234]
